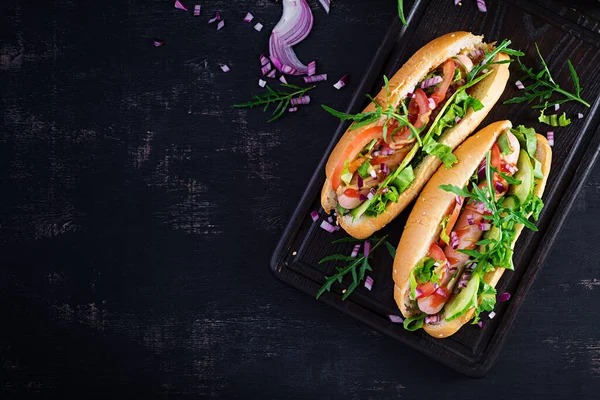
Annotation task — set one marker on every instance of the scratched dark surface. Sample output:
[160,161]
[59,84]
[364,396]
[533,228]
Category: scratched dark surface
[139,211]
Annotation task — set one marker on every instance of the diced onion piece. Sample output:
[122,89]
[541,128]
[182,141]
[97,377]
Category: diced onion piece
[504,297]
[480,323]
[248,18]
[355,251]
[369,283]
[225,68]
[556,107]
[431,103]
[158,42]
[282,79]
[457,120]
[341,83]
[325,4]
[300,100]
[520,85]
[395,319]
[197,10]
[499,186]
[292,109]
[411,95]
[330,220]
[180,5]
[327,226]
[492,315]
[579,115]
[262,83]
[258,27]
[470,219]
[266,68]
[314,215]
[264,60]
[550,137]
[220,25]
[481,5]
[457,3]
[431,81]
[454,242]
[360,182]
[432,319]
[366,248]
[312,68]
[295,24]
[216,18]
[485,226]
[272,73]
[315,78]
[373,174]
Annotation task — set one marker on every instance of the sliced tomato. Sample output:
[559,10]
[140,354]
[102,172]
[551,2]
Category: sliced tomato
[359,142]
[436,253]
[351,192]
[425,289]
[438,298]
[419,107]
[447,75]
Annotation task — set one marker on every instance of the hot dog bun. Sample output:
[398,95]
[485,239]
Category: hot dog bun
[423,225]
[429,57]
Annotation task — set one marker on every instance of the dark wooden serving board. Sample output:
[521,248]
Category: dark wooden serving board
[561,33]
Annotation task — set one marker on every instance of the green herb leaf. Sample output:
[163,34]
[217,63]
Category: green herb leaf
[391,249]
[487,299]
[363,170]
[280,98]
[401,12]
[441,151]
[336,257]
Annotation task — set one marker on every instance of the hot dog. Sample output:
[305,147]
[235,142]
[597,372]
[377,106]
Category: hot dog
[426,109]
[459,237]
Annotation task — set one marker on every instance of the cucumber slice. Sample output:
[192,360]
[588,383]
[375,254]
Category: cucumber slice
[493,233]
[511,202]
[525,175]
[466,299]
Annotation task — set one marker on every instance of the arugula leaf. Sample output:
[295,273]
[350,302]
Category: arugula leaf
[554,119]
[418,323]
[337,257]
[509,179]
[391,249]
[279,97]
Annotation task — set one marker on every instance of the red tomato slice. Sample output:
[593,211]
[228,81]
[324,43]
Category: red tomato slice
[360,141]
[438,298]
[419,101]
[425,290]
[448,74]
[436,253]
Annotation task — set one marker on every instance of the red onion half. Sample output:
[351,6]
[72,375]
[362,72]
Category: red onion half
[295,24]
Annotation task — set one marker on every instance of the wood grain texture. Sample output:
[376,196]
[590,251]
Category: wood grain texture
[139,211]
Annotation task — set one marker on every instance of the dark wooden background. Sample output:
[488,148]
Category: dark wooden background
[139,211]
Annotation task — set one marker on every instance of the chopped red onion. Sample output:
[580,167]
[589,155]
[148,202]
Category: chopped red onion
[341,83]
[457,120]
[360,182]
[327,226]
[282,79]
[292,109]
[442,292]
[480,208]
[520,85]
[457,3]
[556,107]
[355,251]
[454,240]
[225,68]
[370,195]
[481,6]
[158,42]
[264,60]
[504,297]
[436,286]
[248,18]
[197,10]
[373,174]
[472,266]
[431,319]
[272,74]
[384,168]
[258,27]
[480,323]
[550,136]
[315,78]
[300,100]
[337,228]
[431,103]
[485,71]
[362,197]
[459,200]
[395,319]
[481,170]
[411,95]
[330,220]
[295,24]
[262,83]
[220,25]
[314,215]
[511,168]
[180,5]
[431,81]
[492,315]
[312,68]
[216,18]
[265,69]
[369,283]
[579,115]
[500,188]
[485,226]
[367,248]
[385,190]
[376,153]
[470,219]
[325,4]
